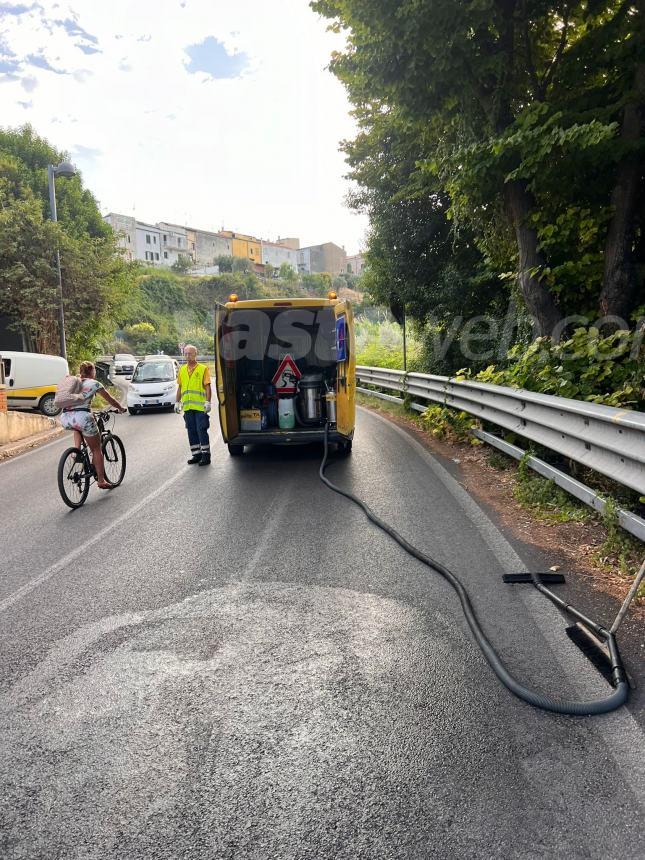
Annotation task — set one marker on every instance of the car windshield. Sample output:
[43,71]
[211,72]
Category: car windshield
[154,371]
[124,357]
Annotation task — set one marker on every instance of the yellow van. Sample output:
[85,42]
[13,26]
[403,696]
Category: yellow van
[285,368]
[31,380]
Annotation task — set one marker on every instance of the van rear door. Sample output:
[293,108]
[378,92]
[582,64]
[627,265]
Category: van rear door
[225,379]
[346,370]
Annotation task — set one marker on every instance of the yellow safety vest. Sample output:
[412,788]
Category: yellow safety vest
[193,393]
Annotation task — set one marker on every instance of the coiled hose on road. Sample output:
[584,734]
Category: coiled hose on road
[599,706]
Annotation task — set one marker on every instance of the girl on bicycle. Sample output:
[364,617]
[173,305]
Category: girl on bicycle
[83,423]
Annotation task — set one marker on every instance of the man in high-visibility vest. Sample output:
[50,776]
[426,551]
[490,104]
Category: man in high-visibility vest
[194,398]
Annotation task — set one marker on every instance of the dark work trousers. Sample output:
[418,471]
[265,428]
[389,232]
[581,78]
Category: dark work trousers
[197,424]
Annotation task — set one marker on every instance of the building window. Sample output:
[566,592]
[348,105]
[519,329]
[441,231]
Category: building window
[165,255]
[156,256]
[179,241]
[154,239]
[147,238]
[165,238]
[128,240]
[192,245]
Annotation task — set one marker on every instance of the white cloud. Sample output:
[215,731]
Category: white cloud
[256,153]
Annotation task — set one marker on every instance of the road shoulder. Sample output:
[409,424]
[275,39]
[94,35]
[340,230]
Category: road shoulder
[22,446]
[542,545]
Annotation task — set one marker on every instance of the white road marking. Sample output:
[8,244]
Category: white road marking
[61,563]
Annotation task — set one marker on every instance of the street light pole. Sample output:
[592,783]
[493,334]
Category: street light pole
[405,350]
[63,169]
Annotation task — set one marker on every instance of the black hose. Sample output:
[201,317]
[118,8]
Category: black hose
[600,706]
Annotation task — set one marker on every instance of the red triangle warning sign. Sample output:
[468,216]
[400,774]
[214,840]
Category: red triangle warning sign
[286,376]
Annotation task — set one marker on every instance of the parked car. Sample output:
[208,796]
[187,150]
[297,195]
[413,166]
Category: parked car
[153,385]
[31,380]
[124,363]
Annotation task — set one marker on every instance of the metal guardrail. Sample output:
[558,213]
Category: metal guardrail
[607,440]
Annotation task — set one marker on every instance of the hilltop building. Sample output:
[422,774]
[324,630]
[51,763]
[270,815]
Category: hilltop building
[247,247]
[208,246]
[327,257]
[126,229]
[163,243]
[355,264]
[290,242]
[174,242]
[275,254]
[148,244]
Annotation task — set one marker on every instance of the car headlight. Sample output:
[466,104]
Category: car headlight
[169,387]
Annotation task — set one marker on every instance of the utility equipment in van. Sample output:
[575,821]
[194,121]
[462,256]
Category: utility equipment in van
[284,369]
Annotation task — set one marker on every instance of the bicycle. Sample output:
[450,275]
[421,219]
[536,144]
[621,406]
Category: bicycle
[75,469]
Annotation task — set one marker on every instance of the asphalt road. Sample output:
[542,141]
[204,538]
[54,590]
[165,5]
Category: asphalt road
[232,662]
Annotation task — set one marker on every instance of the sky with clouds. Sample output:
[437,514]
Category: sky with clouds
[201,112]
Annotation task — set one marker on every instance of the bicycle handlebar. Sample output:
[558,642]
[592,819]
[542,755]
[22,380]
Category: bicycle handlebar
[105,412]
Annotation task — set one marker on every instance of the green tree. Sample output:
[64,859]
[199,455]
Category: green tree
[418,262]
[76,207]
[521,111]
[317,283]
[139,335]
[28,284]
[165,292]
[241,264]
[200,337]
[96,280]
[286,272]
[224,262]
[183,263]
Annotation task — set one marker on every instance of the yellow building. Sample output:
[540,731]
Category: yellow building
[247,247]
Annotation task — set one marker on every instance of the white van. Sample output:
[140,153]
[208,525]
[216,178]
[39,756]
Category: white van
[31,380]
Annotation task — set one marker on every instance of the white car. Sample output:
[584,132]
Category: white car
[124,363]
[153,385]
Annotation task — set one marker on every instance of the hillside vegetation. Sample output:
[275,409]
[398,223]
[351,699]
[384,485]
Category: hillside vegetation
[500,157]
[96,279]
[164,309]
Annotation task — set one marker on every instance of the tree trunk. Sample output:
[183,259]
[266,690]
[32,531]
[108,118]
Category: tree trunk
[620,280]
[539,301]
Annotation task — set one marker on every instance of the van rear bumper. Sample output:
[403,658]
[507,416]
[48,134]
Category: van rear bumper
[298,436]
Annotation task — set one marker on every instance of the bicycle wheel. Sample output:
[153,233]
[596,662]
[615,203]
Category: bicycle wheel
[73,477]
[113,459]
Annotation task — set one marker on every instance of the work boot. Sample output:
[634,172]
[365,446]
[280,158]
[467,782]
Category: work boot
[206,460]
[196,458]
